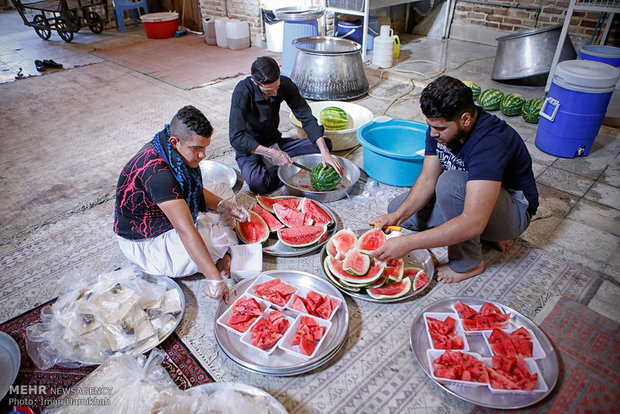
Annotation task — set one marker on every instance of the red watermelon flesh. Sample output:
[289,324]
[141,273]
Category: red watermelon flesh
[336,267]
[460,366]
[268,331]
[517,343]
[489,309]
[275,291]
[509,373]
[391,290]
[253,231]
[307,333]
[464,311]
[395,269]
[443,333]
[331,248]
[267,203]
[298,304]
[370,240]
[318,214]
[421,280]
[243,313]
[301,235]
[290,217]
[344,240]
[356,263]
[273,223]
[485,323]
[335,279]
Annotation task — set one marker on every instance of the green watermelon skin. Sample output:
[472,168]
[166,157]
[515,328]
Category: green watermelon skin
[531,110]
[512,104]
[490,99]
[334,118]
[324,179]
[475,88]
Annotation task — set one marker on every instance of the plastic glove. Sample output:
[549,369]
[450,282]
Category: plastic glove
[230,212]
[279,157]
[217,289]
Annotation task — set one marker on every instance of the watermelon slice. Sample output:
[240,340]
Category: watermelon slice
[243,313]
[511,373]
[301,236]
[336,268]
[464,311]
[316,212]
[274,291]
[460,366]
[254,230]
[443,333]
[485,323]
[273,223]
[334,279]
[395,269]
[517,343]
[391,290]
[267,203]
[344,240]
[356,263]
[290,217]
[420,280]
[371,240]
[308,331]
[267,331]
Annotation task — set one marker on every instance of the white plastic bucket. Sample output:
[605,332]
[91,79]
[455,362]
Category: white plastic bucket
[238,34]
[220,32]
[383,52]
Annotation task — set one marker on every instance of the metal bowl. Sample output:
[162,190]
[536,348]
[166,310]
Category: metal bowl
[291,175]
[299,13]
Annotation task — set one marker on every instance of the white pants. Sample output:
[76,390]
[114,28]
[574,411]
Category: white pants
[165,254]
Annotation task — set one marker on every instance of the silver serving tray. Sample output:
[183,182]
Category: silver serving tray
[214,171]
[549,366]
[274,247]
[273,405]
[419,258]
[280,363]
[10,361]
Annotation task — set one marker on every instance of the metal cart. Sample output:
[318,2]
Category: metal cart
[64,16]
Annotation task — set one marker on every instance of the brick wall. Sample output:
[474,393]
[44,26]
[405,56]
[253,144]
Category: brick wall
[507,16]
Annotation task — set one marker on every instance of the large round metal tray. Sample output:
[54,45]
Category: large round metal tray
[274,247]
[419,258]
[214,171]
[297,181]
[273,405]
[10,361]
[549,366]
[280,363]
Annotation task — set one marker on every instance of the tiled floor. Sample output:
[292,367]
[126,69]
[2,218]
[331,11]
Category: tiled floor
[579,217]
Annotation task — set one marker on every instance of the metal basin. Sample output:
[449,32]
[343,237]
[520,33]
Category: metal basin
[297,181]
[329,68]
[299,13]
[529,54]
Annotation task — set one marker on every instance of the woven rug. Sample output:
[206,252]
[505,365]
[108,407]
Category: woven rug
[588,345]
[186,62]
[184,369]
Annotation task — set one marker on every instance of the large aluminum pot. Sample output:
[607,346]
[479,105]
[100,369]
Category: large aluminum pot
[529,54]
[329,68]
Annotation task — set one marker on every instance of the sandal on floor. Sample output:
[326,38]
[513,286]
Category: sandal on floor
[40,66]
[51,64]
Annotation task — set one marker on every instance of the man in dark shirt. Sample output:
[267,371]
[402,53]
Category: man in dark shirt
[253,126]
[476,183]
[158,198]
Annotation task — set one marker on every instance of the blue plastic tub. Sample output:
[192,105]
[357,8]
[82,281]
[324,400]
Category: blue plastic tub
[601,53]
[393,150]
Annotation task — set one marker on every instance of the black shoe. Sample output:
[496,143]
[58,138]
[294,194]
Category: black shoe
[40,66]
[51,64]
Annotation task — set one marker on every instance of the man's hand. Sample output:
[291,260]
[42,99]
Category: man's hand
[384,220]
[279,157]
[333,161]
[217,289]
[231,212]
[393,248]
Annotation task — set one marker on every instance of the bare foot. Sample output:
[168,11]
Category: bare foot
[502,246]
[447,275]
[223,265]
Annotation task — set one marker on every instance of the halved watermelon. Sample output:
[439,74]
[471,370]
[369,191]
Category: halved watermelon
[267,203]
[271,220]
[356,263]
[301,236]
[254,230]
[290,217]
[371,240]
[316,212]
[391,290]
[344,240]
[395,269]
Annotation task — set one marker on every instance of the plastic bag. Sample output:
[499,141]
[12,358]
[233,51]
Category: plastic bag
[122,384]
[97,316]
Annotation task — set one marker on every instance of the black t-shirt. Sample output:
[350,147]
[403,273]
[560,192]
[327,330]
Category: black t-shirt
[494,151]
[144,181]
[254,120]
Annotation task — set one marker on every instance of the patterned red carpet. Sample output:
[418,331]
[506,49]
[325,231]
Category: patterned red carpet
[180,364]
[589,349]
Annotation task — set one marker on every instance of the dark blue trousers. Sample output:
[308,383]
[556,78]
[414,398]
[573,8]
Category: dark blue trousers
[262,179]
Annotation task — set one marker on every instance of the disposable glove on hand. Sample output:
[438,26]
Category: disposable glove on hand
[231,212]
[279,157]
[217,289]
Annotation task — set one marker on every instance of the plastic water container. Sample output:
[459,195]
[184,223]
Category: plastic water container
[575,106]
[600,53]
[383,53]
[208,26]
[220,32]
[238,34]
[353,31]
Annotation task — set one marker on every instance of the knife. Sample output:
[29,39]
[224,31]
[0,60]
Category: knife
[303,167]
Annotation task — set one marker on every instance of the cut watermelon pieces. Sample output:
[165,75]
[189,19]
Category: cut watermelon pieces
[356,263]
[308,334]
[443,332]
[271,220]
[511,373]
[316,212]
[243,313]
[254,230]
[290,217]
[344,241]
[517,343]
[460,366]
[302,235]
[314,304]
[267,203]
[391,290]
[488,317]
[395,269]
[371,240]
[274,291]
[267,331]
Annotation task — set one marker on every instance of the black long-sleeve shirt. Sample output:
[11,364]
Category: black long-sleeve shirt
[254,120]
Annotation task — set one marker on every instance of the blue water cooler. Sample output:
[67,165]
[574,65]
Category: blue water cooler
[298,22]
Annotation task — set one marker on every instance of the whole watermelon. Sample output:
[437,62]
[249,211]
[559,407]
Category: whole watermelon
[490,99]
[531,110]
[324,179]
[334,118]
[511,104]
[475,88]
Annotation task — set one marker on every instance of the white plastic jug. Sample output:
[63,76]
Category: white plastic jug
[238,34]
[220,32]
[383,53]
[208,25]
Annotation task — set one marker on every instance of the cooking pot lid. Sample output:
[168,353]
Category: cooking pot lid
[299,13]
[326,45]
[532,32]
[586,76]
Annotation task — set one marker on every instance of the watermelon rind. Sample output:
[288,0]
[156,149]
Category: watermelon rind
[475,88]
[344,240]
[395,272]
[420,280]
[290,217]
[287,235]
[335,266]
[356,263]
[403,287]
[371,240]
[334,279]
[511,104]
[272,222]
[318,213]
[253,231]
[531,110]
[490,99]
[267,202]
[334,118]
[324,178]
